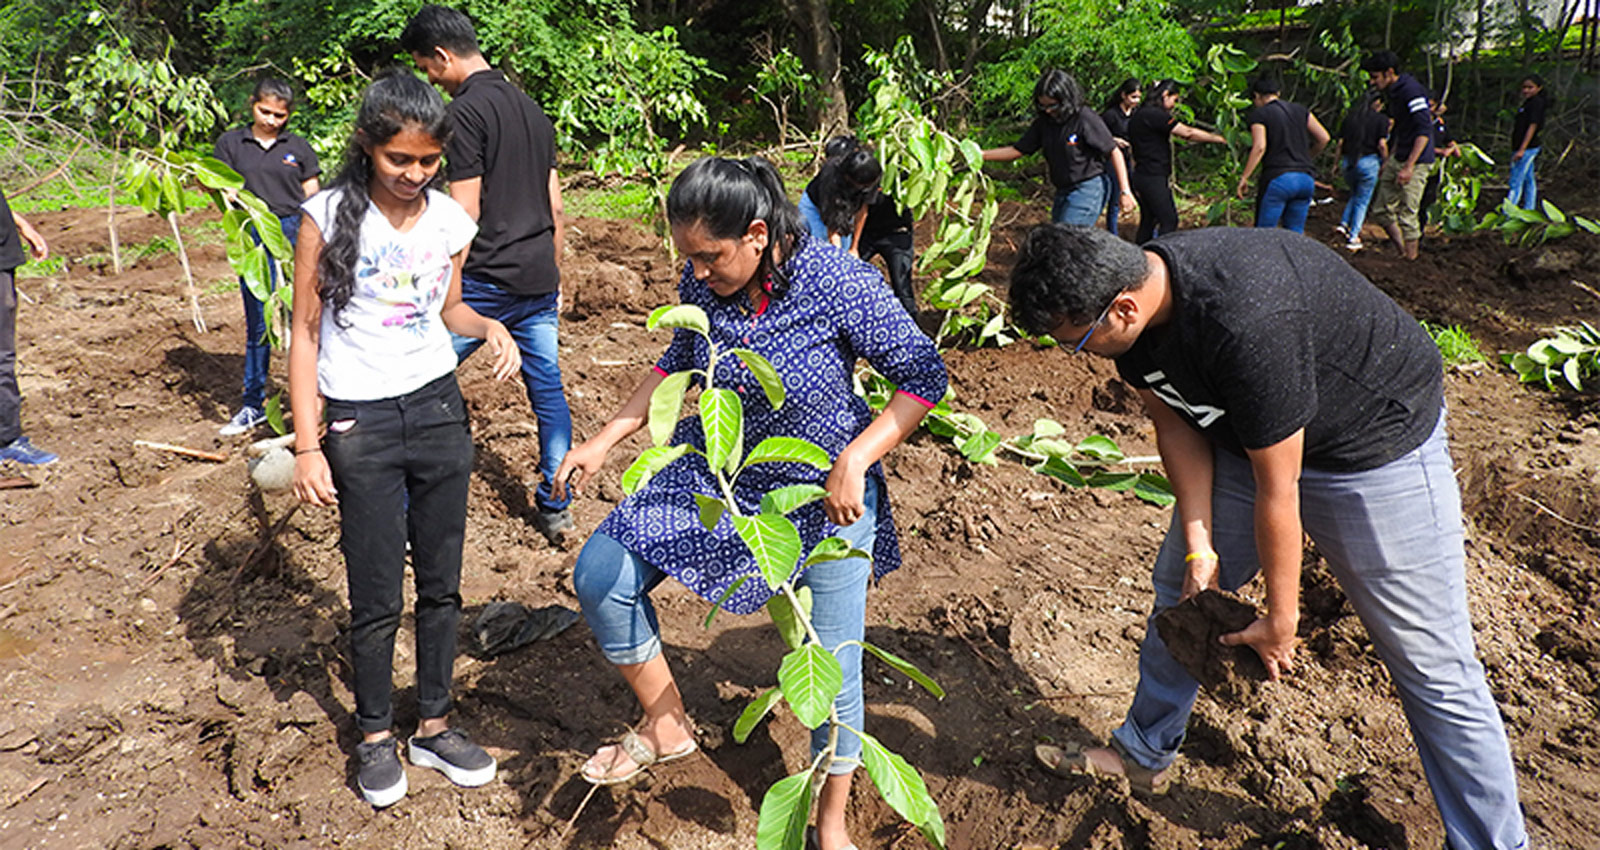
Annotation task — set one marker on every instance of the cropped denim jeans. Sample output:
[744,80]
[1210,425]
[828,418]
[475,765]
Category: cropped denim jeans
[613,586]
[1361,175]
[1393,539]
[815,225]
[1285,201]
[1079,204]
[401,466]
[257,353]
[1524,189]
[532,321]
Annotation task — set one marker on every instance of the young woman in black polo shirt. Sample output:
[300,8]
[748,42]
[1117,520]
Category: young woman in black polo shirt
[1150,132]
[1284,140]
[1119,107]
[281,169]
[1525,144]
[1077,146]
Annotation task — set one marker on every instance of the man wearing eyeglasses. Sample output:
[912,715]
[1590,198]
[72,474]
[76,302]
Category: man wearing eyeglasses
[1288,395]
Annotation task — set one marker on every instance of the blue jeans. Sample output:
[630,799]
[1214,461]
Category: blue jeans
[613,585]
[1524,191]
[1080,204]
[813,219]
[257,353]
[402,466]
[1285,201]
[532,323]
[1113,200]
[1361,175]
[1393,538]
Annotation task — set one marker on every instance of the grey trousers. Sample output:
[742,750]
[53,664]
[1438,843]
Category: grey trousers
[10,396]
[1393,539]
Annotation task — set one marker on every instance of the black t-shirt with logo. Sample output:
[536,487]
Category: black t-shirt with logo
[1076,148]
[1288,140]
[1408,109]
[502,136]
[1271,332]
[1529,114]
[273,173]
[11,253]
[1363,128]
[1150,134]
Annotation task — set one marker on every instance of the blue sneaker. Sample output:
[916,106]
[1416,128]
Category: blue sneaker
[22,451]
[243,422]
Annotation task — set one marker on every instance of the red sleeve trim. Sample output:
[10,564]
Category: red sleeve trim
[660,371]
[916,398]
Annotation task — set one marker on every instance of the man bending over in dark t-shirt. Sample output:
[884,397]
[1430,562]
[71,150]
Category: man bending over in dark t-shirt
[501,163]
[1288,394]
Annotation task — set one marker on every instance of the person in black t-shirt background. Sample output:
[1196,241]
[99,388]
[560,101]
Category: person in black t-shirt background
[281,169]
[834,203]
[1150,131]
[501,163]
[1405,173]
[1119,107]
[1525,144]
[1077,146]
[1363,146]
[1284,140]
[1290,397]
[14,230]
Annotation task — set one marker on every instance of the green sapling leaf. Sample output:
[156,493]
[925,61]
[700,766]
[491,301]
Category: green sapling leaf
[905,667]
[1155,489]
[679,316]
[1061,470]
[784,812]
[1114,481]
[651,461]
[726,595]
[791,450]
[785,500]
[773,541]
[811,678]
[765,373]
[834,549]
[710,510]
[1100,448]
[753,713]
[213,173]
[722,421]
[902,788]
[1043,428]
[666,402]
[787,622]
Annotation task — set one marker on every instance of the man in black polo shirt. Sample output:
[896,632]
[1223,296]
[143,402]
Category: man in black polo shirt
[1288,394]
[13,445]
[501,162]
[1405,174]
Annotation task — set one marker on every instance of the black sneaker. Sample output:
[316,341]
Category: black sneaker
[554,525]
[382,778]
[452,753]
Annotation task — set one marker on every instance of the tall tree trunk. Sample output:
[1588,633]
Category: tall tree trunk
[819,50]
[977,16]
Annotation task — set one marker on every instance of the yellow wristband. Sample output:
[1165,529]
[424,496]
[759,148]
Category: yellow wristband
[1204,553]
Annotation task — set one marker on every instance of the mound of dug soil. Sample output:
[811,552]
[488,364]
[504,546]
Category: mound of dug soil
[1192,631]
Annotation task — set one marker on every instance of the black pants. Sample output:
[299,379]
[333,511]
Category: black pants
[401,466]
[10,396]
[898,254]
[1156,207]
[1430,194]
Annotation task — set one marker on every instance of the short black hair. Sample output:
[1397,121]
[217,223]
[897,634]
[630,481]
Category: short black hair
[1066,273]
[440,26]
[1383,60]
[1264,84]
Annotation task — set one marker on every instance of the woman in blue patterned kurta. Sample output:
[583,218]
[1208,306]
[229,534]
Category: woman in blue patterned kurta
[812,311]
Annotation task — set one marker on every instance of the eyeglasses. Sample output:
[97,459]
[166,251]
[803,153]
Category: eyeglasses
[1095,324]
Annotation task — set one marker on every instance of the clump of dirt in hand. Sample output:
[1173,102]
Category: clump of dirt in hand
[1191,630]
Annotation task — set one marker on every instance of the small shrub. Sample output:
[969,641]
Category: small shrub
[1456,345]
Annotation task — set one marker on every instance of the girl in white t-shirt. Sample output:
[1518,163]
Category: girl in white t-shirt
[377,292]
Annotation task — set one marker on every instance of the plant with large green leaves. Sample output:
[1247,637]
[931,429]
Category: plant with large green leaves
[932,173]
[1536,226]
[1219,91]
[1460,184]
[1095,461]
[1570,356]
[810,675]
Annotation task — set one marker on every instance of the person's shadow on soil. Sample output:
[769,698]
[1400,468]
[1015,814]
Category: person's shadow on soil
[208,381]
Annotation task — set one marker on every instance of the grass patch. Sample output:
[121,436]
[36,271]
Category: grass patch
[48,267]
[624,201]
[1456,345]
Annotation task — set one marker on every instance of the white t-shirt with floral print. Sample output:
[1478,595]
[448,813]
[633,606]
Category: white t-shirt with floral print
[389,340]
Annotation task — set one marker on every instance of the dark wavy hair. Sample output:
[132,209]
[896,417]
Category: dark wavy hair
[1066,273]
[1129,86]
[853,185]
[395,101]
[726,196]
[1059,86]
[1158,91]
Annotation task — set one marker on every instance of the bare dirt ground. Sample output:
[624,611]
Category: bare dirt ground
[171,643]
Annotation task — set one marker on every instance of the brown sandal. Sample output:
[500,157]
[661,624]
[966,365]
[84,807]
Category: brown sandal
[1075,761]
